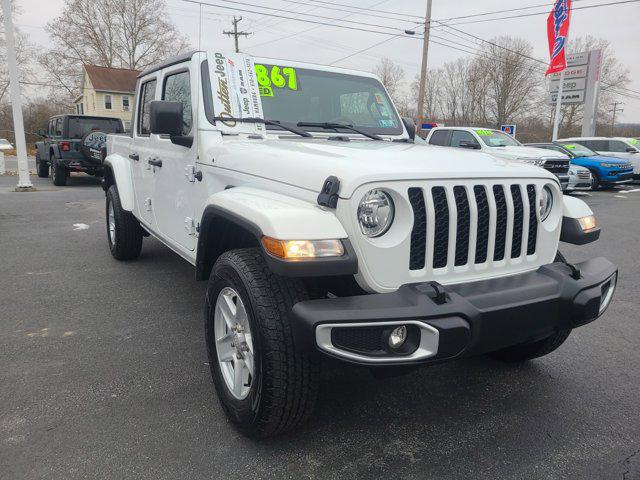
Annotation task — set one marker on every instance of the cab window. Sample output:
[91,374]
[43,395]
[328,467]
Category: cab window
[440,137]
[147,95]
[177,88]
[616,146]
[461,138]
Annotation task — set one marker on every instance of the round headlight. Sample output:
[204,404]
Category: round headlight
[375,213]
[546,203]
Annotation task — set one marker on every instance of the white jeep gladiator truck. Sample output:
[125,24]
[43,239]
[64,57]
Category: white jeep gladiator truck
[299,194]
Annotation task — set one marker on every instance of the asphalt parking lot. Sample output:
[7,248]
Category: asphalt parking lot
[104,374]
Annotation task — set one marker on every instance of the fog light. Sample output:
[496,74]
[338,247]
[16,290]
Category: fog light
[397,337]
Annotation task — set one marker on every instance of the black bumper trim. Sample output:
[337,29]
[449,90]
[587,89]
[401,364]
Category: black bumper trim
[477,317]
[572,232]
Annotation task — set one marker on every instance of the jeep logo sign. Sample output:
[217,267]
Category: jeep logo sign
[234,88]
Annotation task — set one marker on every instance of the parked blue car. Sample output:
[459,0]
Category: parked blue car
[605,171]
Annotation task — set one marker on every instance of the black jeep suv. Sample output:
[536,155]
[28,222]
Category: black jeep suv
[74,143]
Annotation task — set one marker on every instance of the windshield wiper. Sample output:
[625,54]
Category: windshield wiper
[336,126]
[266,121]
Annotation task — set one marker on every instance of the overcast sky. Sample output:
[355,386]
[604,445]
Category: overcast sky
[280,38]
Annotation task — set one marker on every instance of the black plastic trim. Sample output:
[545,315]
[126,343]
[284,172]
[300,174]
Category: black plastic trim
[572,232]
[477,317]
[319,267]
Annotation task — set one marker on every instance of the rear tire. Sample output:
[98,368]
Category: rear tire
[595,181]
[124,232]
[281,392]
[59,174]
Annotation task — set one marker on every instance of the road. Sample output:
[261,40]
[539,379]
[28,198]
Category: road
[104,374]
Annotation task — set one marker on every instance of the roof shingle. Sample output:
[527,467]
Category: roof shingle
[112,79]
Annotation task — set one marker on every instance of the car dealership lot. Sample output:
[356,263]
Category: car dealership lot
[104,373]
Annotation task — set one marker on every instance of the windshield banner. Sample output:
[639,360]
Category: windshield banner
[235,92]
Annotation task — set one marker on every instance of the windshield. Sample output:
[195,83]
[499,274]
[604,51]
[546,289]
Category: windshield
[80,126]
[294,95]
[494,138]
[578,150]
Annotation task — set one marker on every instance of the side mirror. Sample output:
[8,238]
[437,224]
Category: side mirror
[166,119]
[410,126]
[470,145]
[631,150]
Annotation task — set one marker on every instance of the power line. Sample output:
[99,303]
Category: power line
[499,11]
[369,9]
[356,10]
[244,4]
[546,13]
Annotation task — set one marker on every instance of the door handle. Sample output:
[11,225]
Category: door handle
[155,162]
[134,156]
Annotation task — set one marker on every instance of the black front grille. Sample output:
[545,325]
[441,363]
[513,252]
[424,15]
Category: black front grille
[473,209]
[533,220]
[441,238]
[358,339]
[501,223]
[482,242]
[463,227]
[419,232]
[557,166]
[518,219]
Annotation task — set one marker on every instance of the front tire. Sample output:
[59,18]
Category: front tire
[124,232]
[595,181]
[59,174]
[247,326]
[43,168]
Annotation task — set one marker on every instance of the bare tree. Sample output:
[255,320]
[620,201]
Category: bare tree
[512,81]
[111,33]
[392,77]
[433,95]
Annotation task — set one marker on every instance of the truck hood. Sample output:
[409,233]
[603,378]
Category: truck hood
[307,163]
[525,152]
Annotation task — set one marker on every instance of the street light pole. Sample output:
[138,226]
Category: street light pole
[425,56]
[24,182]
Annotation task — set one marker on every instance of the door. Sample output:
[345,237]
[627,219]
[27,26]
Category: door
[143,151]
[174,181]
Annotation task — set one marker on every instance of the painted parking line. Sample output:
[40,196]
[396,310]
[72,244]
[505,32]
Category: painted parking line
[620,196]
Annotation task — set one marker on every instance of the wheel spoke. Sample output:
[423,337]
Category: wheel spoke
[248,362]
[238,375]
[225,350]
[227,310]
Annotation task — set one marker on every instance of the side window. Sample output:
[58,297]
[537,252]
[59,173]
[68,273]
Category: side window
[108,102]
[617,146]
[177,88]
[440,137]
[50,128]
[147,95]
[58,127]
[459,136]
[596,145]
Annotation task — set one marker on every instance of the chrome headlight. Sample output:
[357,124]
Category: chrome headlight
[546,203]
[375,213]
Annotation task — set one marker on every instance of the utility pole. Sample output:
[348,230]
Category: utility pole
[235,33]
[615,111]
[24,182]
[425,56]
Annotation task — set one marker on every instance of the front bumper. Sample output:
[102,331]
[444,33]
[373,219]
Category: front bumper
[616,177]
[463,320]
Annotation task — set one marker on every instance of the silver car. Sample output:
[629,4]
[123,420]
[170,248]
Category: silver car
[579,178]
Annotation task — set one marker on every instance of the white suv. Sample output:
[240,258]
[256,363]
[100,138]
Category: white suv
[298,193]
[501,145]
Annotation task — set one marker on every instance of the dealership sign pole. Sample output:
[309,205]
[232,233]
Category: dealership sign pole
[558,33]
[24,182]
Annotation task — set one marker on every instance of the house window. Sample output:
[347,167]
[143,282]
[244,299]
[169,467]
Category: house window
[125,103]
[108,104]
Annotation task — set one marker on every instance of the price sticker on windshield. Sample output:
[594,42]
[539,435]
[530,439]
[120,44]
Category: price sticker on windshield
[272,78]
[484,133]
[570,147]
